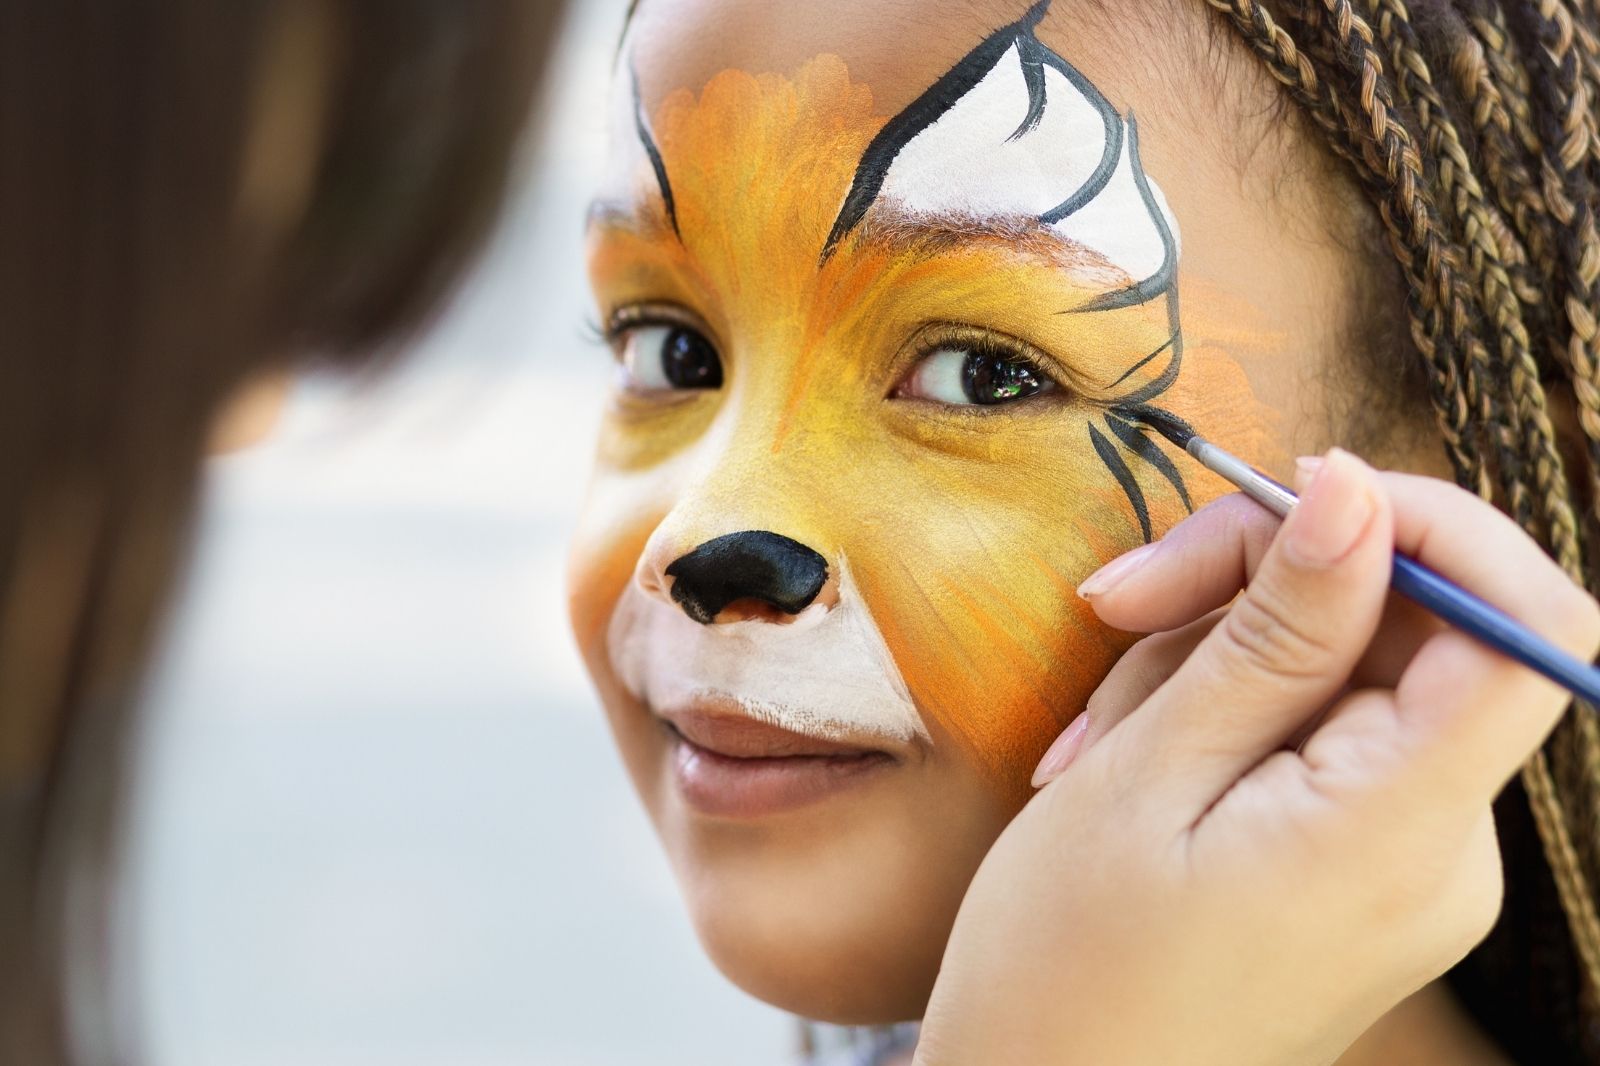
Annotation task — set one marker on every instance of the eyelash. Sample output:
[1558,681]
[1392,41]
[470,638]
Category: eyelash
[954,335]
[622,321]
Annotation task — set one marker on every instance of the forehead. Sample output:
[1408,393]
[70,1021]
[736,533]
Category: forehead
[1011,133]
[1138,52]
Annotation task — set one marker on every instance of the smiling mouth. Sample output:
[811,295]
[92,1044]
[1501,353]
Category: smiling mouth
[733,766]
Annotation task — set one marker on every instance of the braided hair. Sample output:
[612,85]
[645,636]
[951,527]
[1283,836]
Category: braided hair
[1471,126]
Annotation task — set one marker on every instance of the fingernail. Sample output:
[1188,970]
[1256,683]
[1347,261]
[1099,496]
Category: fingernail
[1061,753]
[1103,579]
[1305,468]
[1334,511]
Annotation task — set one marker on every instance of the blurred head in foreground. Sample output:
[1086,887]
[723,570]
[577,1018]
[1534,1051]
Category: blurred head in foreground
[889,286]
[193,196]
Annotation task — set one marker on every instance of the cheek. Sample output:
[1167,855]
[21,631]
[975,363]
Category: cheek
[612,529]
[976,600]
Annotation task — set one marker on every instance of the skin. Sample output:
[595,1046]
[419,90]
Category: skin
[1314,766]
[841,910]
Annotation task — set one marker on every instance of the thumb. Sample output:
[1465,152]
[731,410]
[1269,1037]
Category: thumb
[1283,649]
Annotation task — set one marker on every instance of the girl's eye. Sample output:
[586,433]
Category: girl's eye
[659,358]
[968,376]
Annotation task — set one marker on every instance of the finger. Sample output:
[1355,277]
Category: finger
[1403,630]
[1140,672]
[1203,562]
[1467,540]
[1284,648]
[1470,715]
[1200,565]
[1469,719]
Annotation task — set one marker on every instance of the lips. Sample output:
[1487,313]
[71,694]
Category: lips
[730,765]
[739,736]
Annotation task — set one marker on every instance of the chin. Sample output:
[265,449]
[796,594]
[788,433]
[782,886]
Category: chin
[839,933]
[838,910]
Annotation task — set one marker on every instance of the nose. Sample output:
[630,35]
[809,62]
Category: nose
[748,575]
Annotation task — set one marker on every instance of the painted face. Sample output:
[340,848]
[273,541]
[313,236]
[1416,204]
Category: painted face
[879,384]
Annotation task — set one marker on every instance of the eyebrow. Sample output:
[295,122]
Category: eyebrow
[919,237]
[922,236]
[643,219]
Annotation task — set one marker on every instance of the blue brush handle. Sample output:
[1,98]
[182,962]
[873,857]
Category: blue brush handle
[1494,627]
[1416,582]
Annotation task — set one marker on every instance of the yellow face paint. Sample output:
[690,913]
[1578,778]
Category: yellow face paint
[965,528]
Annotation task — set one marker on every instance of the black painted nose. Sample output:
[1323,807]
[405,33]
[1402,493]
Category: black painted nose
[753,565]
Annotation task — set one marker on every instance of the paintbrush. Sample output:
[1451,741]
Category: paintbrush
[1473,616]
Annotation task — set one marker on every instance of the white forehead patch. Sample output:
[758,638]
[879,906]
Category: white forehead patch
[969,163]
[1120,223]
[1013,130]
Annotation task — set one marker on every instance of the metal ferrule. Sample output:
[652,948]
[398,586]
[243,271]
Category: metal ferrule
[1270,494]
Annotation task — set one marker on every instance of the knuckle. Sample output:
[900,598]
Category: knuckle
[1456,496]
[1488,877]
[1265,636]
[1454,901]
[1474,911]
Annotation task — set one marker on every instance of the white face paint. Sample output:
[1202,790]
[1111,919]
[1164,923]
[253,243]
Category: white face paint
[826,674]
[1014,132]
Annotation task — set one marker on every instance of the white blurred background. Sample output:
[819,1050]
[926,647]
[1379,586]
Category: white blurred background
[381,821]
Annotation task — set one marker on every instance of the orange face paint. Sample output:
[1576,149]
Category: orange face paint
[742,216]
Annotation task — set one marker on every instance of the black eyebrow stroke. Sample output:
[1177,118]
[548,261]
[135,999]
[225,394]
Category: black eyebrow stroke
[932,105]
[657,164]
[1038,55]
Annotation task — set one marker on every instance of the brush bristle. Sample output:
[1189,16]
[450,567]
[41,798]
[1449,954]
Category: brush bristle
[1165,423]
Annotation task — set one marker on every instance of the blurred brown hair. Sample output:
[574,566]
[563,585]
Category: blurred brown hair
[191,193]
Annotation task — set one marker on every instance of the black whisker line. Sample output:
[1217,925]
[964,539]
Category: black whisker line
[1150,390]
[1119,470]
[1141,364]
[1148,450]
[656,162]
[1168,426]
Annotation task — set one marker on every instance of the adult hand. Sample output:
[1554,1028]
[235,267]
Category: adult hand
[1256,852]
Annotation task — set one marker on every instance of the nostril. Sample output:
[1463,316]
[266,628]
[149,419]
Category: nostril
[756,571]
[752,610]
[828,595]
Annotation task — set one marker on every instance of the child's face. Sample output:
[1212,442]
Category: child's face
[880,350]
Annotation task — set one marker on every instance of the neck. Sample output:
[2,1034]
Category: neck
[1426,1028]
